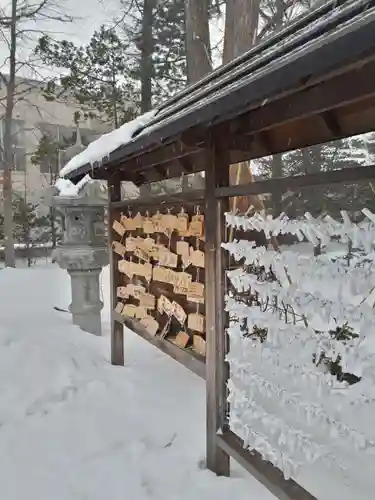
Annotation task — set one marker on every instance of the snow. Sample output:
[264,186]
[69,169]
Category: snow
[72,427]
[66,187]
[100,149]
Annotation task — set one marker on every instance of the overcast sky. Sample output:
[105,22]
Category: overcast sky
[88,14]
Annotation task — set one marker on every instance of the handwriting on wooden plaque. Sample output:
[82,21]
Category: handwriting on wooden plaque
[182,283]
[196,226]
[119,307]
[126,267]
[130,244]
[165,305]
[138,221]
[168,222]
[182,339]
[196,322]
[160,274]
[151,325]
[141,254]
[168,259]
[118,228]
[144,270]
[199,345]
[182,221]
[196,293]
[122,292]
[197,258]
[171,278]
[128,223]
[129,310]
[182,248]
[147,300]
[179,313]
[148,225]
[140,312]
[156,220]
[118,248]
[135,290]
[148,243]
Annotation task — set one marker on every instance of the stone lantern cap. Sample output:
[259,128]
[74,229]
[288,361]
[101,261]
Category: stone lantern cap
[87,192]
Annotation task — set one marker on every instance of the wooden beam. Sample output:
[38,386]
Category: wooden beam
[330,94]
[157,202]
[117,330]
[189,359]
[217,175]
[237,142]
[283,184]
[332,123]
[157,156]
[271,477]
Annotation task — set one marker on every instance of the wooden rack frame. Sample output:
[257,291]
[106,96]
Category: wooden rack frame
[315,87]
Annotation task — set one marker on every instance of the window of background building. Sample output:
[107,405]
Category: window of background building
[18,142]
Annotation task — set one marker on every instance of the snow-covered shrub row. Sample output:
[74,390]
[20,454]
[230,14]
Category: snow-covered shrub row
[302,343]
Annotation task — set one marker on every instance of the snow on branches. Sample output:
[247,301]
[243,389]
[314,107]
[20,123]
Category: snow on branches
[302,341]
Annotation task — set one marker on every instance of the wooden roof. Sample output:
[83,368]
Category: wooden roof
[312,82]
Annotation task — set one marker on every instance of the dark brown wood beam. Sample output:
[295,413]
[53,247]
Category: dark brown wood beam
[271,477]
[332,123]
[283,184]
[159,156]
[187,358]
[217,372]
[117,330]
[336,92]
[192,197]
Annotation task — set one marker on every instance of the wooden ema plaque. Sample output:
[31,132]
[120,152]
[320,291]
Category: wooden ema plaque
[196,293]
[199,345]
[151,325]
[118,228]
[182,339]
[196,322]
[168,259]
[118,248]
[122,292]
[179,313]
[128,223]
[182,248]
[147,300]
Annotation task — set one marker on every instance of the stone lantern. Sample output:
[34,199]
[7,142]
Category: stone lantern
[83,251]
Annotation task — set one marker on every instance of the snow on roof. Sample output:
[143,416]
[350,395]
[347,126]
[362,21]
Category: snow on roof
[100,149]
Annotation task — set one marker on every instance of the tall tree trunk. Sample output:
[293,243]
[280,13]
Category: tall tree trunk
[10,260]
[147,69]
[198,46]
[241,26]
[277,160]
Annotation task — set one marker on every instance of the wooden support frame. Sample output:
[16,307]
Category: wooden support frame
[217,175]
[117,329]
[189,197]
[282,184]
[228,442]
[271,477]
[186,358]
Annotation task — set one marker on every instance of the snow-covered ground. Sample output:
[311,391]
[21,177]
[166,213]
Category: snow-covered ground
[72,427]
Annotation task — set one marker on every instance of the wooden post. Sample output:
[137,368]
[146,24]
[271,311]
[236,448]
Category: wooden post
[117,328]
[217,174]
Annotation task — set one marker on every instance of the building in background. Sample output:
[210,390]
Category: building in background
[33,117]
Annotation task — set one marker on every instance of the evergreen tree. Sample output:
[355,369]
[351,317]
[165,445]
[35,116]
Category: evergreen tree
[98,76]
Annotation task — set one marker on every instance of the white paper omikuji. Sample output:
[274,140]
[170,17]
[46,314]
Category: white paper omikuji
[284,401]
